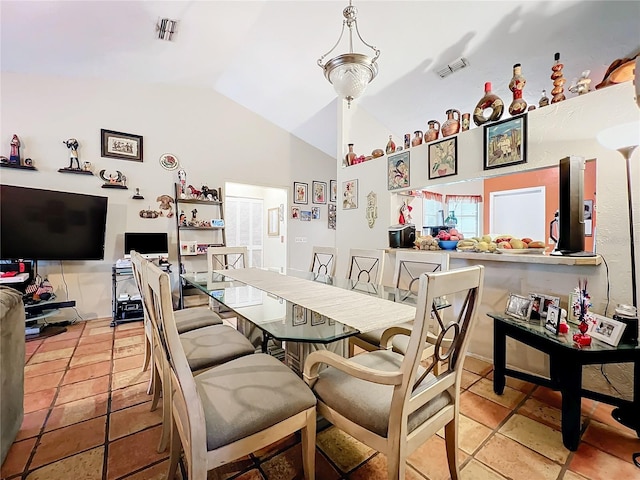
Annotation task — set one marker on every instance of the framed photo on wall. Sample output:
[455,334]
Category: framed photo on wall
[350,194]
[398,171]
[332,216]
[333,190]
[443,158]
[300,193]
[319,192]
[124,146]
[505,142]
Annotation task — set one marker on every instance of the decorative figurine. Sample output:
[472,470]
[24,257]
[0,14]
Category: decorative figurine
[182,179]
[165,204]
[182,219]
[137,195]
[581,86]
[194,193]
[72,145]
[558,80]
[28,162]
[116,180]
[544,100]
[516,85]
[14,156]
[391,145]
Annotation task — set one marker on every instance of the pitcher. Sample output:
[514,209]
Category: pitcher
[452,125]
[417,140]
[433,132]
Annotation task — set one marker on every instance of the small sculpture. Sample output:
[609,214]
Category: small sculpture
[516,85]
[182,179]
[194,192]
[581,86]
[558,80]
[165,204]
[544,100]
[113,180]
[182,219]
[137,195]
[72,145]
[14,156]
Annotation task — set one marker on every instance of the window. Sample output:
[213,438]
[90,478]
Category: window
[433,212]
[244,226]
[467,215]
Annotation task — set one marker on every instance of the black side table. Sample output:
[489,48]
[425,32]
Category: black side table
[566,361]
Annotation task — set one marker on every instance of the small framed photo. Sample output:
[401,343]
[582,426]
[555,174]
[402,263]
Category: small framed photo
[299,315]
[548,300]
[295,213]
[350,194]
[317,319]
[273,219]
[588,218]
[332,216]
[443,158]
[124,146]
[188,248]
[573,309]
[537,302]
[333,190]
[300,192]
[518,306]
[315,213]
[398,171]
[505,142]
[606,330]
[319,192]
[305,215]
[553,319]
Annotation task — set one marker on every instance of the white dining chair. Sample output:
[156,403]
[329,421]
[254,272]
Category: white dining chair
[366,266]
[323,260]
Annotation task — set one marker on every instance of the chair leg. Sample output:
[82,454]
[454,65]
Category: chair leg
[156,384]
[309,447]
[396,465]
[167,419]
[451,439]
[152,378]
[176,449]
[147,354]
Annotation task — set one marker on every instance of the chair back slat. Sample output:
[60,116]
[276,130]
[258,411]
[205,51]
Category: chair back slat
[323,261]
[366,266]
[411,264]
[225,258]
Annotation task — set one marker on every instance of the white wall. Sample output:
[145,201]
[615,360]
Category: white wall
[215,139]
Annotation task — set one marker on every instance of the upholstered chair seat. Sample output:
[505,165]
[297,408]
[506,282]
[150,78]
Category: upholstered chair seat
[211,346]
[368,403]
[194,318]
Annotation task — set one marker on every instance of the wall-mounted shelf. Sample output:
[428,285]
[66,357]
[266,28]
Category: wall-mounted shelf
[21,167]
[201,228]
[200,202]
[75,170]
[121,187]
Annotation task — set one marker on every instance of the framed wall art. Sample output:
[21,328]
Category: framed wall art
[295,213]
[333,190]
[606,330]
[124,146]
[305,215]
[443,158]
[350,194]
[319,192]
[505,142]
[315,213]
[332,216]
[398,171]
[300,192]
[299,315]
[273,220]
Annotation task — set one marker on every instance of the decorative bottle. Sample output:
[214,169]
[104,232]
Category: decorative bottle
[558,80]
[451,221]
[544,100]
[391,146]
[350,157]
[451,125]
[433,132]
[417,140]
[516,85]
[489,101]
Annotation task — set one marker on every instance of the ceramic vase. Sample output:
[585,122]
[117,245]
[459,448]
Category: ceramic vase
[417,139]
[350,157]
[558,80]
[489,101]
[466,121]
[432,133]
[451,126]
[516,85]
[391,145]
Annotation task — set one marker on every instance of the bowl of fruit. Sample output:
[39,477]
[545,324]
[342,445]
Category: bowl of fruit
[448,240]
[448,244]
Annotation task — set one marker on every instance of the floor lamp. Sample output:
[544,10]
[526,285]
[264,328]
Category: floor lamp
[625,139]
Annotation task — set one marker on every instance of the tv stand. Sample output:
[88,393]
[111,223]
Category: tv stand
[40,311]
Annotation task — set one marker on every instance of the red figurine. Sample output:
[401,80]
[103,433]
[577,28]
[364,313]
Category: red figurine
[14,156]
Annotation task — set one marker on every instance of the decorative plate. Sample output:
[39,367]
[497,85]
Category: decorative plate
[539,251]
[169,161]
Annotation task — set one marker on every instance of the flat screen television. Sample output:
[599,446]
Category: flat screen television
[149,245]
[40,224]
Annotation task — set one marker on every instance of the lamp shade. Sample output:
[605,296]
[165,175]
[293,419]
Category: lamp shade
[350,74]
[621,136]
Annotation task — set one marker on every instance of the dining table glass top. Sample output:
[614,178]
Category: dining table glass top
[283,319]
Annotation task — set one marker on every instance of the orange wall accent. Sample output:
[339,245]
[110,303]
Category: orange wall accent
[547,177]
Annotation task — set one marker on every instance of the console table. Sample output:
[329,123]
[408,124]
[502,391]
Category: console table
[566,360]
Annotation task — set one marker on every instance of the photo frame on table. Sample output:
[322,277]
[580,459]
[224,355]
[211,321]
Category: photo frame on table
[398,171]
[588,218]
[518,306]
[273,222]
[443,158]
[319,190]
[606,330]
[124,146]
[572,313]
[299,315]
[350,194]
[548,300]
[300,193]
[333,190]
[537,303]
[552,322]
[505,142]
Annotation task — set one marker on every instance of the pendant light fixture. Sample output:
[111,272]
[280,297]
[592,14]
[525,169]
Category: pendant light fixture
[350,73]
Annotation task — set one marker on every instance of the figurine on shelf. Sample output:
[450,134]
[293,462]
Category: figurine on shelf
[581,310]
[137,195]
[182,180]
[518,105]
[113,180]
[72,145]
[182,219]
[558,80]
[581,86]
[391,145]
[194,193]
[14,156]
[544,100]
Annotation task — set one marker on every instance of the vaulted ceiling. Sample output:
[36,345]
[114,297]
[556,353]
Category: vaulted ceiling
[263,54]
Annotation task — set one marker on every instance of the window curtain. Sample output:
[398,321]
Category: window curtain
[462,198]
[432,196]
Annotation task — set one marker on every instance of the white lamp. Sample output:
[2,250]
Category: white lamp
[625,139]
[350,73]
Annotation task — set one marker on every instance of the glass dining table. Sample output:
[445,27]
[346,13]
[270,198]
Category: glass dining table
[301,329]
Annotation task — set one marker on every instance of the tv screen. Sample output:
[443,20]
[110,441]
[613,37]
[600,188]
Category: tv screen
[40,224]
[150,245]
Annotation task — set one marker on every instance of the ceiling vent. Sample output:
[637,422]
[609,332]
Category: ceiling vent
[166,28]
[454,66]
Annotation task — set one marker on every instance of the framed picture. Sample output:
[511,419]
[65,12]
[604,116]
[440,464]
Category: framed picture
[518,306]
[188,248]
[295,213]
[537,302]
[443,158]
[548,301]
[553,319]
[398,171]
[505,142]
[305,215]
[350,194]
[588,218]
[317,319]
[319,192]
[124,146]
[606,330]
[573,309]
[299,315]
[315,213]
[300,192]
[332,216]
[333,190]
[273,220]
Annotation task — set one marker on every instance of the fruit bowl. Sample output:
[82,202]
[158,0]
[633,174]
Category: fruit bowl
[448,244]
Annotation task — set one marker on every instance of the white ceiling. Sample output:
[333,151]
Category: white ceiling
[262,54]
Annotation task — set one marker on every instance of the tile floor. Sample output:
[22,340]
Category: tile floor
[87,417]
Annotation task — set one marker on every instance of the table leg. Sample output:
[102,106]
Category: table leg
[636,395]
[499,357]
[570,387]
[265,342]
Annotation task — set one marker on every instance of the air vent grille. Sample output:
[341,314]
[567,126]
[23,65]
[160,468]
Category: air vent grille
[454,66]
